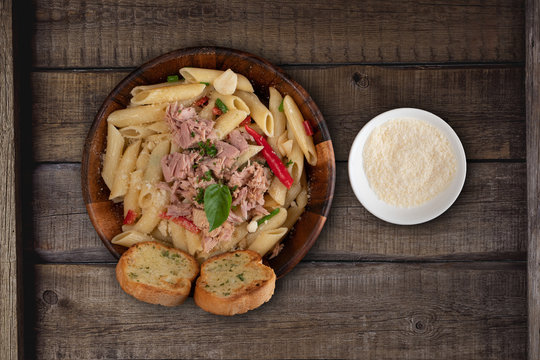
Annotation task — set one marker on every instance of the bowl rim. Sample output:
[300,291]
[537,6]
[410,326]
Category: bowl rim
[214,50]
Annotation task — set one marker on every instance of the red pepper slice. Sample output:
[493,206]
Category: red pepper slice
[202,101]
[246,121]
[182,221]
[216,111]
[275,163]
[130,217]
[308,128]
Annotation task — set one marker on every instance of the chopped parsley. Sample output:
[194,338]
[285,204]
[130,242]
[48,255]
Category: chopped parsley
[132,275]
[172,78]
[165,253]
[192,134]
[240,276]
[233,189]
[288,163]
[207,148]
[207,176]
[204,82]
[280,108]
[221,106]
[199,198]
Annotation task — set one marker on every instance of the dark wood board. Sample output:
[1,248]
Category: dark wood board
[474,100]
[488,221]
[10,242]
[127,33]
[320,310]
[532,84]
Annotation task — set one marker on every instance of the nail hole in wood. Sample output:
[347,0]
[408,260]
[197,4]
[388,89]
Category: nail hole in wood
[419,325]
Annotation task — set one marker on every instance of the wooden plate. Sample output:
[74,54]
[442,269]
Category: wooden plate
[107,217]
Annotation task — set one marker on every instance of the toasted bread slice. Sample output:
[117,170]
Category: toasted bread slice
[234,283]
[156,274]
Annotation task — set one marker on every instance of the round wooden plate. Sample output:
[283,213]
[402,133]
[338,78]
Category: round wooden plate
[107,217]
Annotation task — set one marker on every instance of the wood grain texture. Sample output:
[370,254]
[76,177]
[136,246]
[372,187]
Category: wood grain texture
[488,221]
[489,101]
[532,85]
[127,33]
[10,247]
[320,310]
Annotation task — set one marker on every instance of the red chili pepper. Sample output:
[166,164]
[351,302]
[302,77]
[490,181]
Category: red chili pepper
[217,111]
[276,165]
[308,128]
[182,221]
[246,121]
[202,101]
[130,217]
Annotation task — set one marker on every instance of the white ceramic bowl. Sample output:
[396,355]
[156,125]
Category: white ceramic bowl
[414,215]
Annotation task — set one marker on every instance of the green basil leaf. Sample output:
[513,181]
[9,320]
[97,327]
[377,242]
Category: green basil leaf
[217,204]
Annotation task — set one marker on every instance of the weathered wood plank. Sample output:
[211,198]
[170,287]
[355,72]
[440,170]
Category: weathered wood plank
[532,84]
[361,311]
[488,221]
[10,246]
[484,105]
[127,33]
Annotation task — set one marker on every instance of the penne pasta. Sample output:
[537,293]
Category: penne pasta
[136,132]
[137,115]
[168,94]
[277,191]
[232,102]
[266,240]
[292,193]
[293,215]
[260,113]
[131,200]
[153,168]
[115,145]
[130,238]
[295,123]
[178,235]
[140,88]
[296,157]
[251,151]
[122,175]
[302,198]
[197,75]
[159,127]
[280,121]
[228,122]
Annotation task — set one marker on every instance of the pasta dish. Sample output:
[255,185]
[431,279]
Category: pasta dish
[201,164]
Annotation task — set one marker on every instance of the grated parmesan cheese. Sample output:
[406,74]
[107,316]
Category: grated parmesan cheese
[408,162]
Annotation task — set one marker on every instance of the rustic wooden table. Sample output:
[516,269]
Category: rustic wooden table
[453,288]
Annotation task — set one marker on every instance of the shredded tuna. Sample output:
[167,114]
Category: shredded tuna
[177,166]
[180,209]
[252,182]
[276,250]
[238,141]
[187,127]
[211,239]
